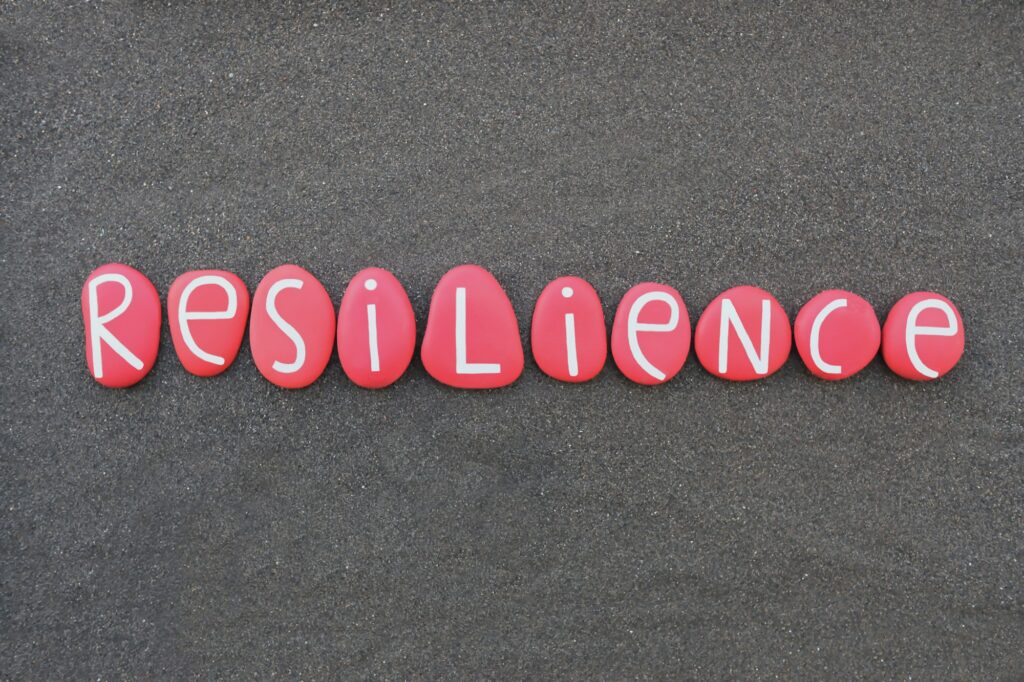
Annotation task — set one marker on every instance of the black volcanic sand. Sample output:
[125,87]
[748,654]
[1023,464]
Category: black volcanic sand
[789,528]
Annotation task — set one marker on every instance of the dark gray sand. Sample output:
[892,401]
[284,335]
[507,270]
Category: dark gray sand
[789,528]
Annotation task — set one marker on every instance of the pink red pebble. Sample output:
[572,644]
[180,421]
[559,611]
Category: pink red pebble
[568,335]
[651,333]
[376,329]
[472,335]
[291,330]
[837,334]
[121,311]
[743,335]
[207,311]
[923,336]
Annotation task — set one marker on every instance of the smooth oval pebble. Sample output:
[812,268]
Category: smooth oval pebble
[568,336]
[376,329]
[291,327]
[751,353]
[923,336]
[651,333]
[472,336]
[121,311]
[207,311]
[836,334]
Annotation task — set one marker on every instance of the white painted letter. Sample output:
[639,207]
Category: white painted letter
[731,318]
[98,333]
[184,315]
[371,325]
[816,332]
[290,331]
[633,326]
[570,337]
[461,366]
[914,331]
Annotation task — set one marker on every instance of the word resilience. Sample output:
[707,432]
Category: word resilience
[472,335]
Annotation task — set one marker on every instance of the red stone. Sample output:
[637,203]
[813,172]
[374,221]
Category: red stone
[837,334]
[376,329]
[569,307]
[923,336]
[293,350]
[207,311]
[472,336]
[651,333]
[750,360]
[121,310]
